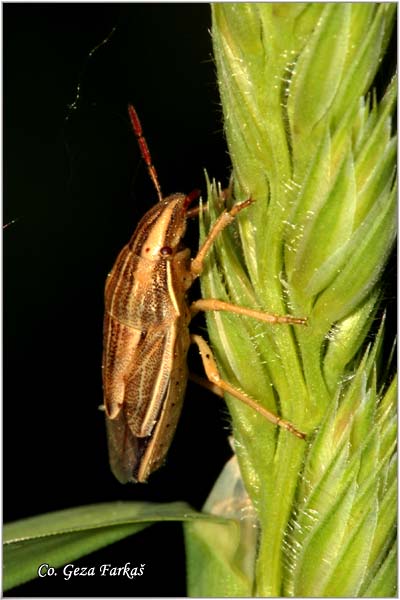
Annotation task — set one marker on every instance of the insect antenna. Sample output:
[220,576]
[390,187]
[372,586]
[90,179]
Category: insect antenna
[144,149]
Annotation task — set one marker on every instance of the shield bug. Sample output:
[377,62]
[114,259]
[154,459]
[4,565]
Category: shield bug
[146,332]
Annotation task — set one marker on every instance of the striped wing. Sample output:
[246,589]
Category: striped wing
[144,378]
[136,371]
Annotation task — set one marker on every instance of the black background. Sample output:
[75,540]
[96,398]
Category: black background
[75,182]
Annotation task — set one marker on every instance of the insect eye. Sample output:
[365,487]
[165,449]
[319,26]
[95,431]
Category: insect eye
[166,251]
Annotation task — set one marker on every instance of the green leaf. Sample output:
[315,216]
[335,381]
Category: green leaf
[59,537]
[229,551]
[214,545]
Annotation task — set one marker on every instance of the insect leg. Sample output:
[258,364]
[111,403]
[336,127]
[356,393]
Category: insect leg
[194,212]
[223,221]
[213,304]
[211,369]
[207,384]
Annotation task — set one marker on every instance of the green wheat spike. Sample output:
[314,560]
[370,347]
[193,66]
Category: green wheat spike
[315,149]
